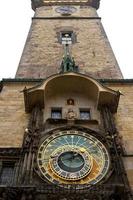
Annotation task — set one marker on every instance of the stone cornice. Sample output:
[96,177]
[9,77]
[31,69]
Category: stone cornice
[66,18]
[40,3]
[9,151]
[39,80]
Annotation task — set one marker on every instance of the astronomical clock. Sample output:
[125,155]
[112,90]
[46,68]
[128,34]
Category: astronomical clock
[74,150]
[62,142]
[73,157]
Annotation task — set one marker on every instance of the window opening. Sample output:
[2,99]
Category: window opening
[7,172]
[85,114]
[66,38]
[56,113]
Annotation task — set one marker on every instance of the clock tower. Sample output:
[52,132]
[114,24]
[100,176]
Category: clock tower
[63,131]
[88,43]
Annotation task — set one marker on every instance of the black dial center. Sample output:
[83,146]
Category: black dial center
[71,161]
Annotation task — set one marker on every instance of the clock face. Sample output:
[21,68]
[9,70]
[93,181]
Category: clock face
[73,157]
[66,10]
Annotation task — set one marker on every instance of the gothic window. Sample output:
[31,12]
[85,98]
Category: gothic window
[56,113]
[7,172]
[85,114]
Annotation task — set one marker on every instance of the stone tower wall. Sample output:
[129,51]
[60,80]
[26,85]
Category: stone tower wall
[43,53]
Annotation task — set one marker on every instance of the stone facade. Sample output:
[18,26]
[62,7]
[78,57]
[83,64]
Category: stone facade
[124,124]
[14,120]
[13,114]
[92,51]
[26,104]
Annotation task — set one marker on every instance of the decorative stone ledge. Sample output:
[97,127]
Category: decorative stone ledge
[40,3]
[10,152]
[39,80]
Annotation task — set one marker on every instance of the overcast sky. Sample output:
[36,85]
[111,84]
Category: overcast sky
[15,20]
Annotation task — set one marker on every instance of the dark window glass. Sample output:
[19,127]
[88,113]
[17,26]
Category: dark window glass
[7,172]
[85,114]
[56,113]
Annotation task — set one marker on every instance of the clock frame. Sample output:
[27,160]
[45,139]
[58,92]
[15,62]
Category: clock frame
[66,10]
[73,157]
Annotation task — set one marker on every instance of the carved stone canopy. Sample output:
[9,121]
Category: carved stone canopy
[40,3]
[68,83]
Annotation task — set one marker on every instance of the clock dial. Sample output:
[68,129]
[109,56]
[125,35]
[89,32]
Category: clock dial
[70,164]
[73,157]
[71,161]
[66,10]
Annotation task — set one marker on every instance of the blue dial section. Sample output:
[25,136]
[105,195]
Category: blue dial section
[71,161]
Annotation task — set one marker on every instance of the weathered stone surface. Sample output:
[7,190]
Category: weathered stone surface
[40,3]
[13,119]
[124,116]
[124,123]
[43,53]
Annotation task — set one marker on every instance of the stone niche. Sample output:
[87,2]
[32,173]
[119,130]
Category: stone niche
[84,92]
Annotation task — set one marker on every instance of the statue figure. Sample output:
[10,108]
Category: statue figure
[71,115]
[68,63]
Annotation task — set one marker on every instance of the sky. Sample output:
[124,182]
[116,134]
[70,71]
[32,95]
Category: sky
[15,21]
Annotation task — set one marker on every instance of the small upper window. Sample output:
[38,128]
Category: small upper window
[85,114]
[66,37]
[56,113]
